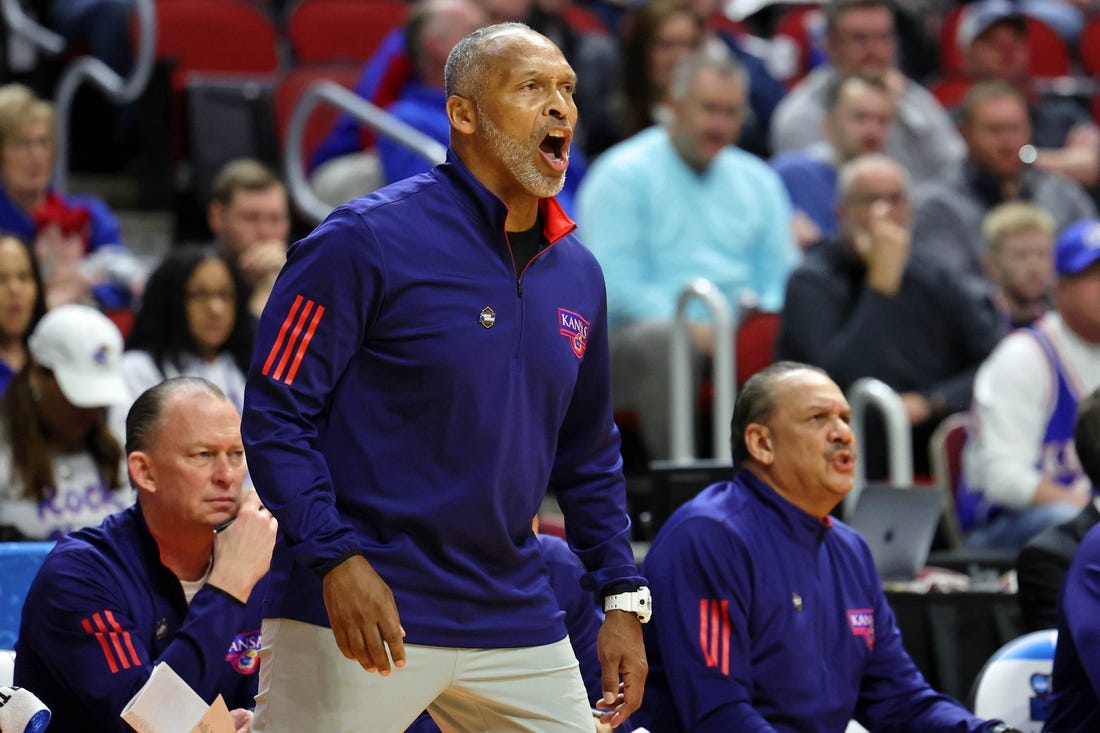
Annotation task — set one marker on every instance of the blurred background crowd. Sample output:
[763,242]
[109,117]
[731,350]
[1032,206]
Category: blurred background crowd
[900,190]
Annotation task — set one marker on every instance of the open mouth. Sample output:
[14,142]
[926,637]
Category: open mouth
[555,147]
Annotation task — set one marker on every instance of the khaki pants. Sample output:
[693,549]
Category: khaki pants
[307,685]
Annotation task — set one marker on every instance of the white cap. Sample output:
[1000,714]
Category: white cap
[83,349]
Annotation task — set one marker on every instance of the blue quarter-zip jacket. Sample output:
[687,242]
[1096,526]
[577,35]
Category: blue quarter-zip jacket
[412,397]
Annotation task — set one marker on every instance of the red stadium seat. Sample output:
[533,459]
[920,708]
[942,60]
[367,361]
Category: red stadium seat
[341,31]
[755,343]
[1089,46]
[290,89]
[215,36]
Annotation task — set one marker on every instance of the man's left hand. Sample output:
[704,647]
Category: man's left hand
[622,658]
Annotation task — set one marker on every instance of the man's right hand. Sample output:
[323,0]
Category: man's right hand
[363,616]
[242,551]
[884,246]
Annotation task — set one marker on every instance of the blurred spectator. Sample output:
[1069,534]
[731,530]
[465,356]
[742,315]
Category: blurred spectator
[861,37]
[22,304]
[1021,470]
[950,209]
[860,114]
[193,322]
[76,237]
[1045,559]
[60,466]
[867,305]
[659,34]
[675,203]
[1019,244]
[992,36]
[249,216]
[765,91]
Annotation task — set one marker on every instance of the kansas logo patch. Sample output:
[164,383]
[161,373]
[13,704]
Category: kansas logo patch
[244,653]
[862,623]
[575,328]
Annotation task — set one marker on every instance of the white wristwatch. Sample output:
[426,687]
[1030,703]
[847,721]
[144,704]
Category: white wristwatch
[638,602]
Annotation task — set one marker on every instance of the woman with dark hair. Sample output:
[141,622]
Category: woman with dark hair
[193,322]
[22,304]
[60,466]
[659,33]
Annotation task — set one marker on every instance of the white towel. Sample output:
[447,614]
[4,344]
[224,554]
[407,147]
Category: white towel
[22,712]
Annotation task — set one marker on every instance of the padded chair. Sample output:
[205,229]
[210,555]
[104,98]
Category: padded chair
[945,450]
[19,563]
[1015,683]
[290,89]
[755,343]
[341,31]
[1088,46]
[215,36]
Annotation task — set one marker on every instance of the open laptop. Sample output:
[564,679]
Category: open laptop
[899,524]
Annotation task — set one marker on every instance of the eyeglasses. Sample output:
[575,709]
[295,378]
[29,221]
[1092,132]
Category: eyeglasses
[202,297]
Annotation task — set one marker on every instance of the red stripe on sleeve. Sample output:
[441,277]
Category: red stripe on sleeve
[126,639]
[103,645]
[282,334]
[725,638]
[114,640]
[305,344]
[294,334]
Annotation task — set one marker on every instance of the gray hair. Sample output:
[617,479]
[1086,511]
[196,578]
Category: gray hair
[856,167]
[712,58]
[464,74]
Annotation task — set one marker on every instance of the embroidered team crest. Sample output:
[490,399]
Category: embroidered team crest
[862,622]
[488,317]
[575,328]
[101,355]
[244,653]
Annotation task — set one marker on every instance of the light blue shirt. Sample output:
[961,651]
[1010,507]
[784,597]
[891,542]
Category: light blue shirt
[654,224]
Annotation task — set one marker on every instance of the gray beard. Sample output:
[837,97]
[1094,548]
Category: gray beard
[517,158]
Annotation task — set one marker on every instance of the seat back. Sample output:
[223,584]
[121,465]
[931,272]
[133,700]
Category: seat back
[290,89]
[1088,46]
[215,36]
[341,31]
[945,450]
[755,343]
[1014,684]
[19,563]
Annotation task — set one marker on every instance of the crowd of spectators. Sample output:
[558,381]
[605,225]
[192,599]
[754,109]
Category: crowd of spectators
[930,224]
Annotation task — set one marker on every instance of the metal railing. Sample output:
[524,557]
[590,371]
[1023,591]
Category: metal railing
[118,89]
[22,25]
[681,399]
[382,122]
[870,392]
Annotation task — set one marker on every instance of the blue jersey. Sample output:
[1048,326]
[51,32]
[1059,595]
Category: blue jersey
[412,397]
[103,611]
[768,619]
